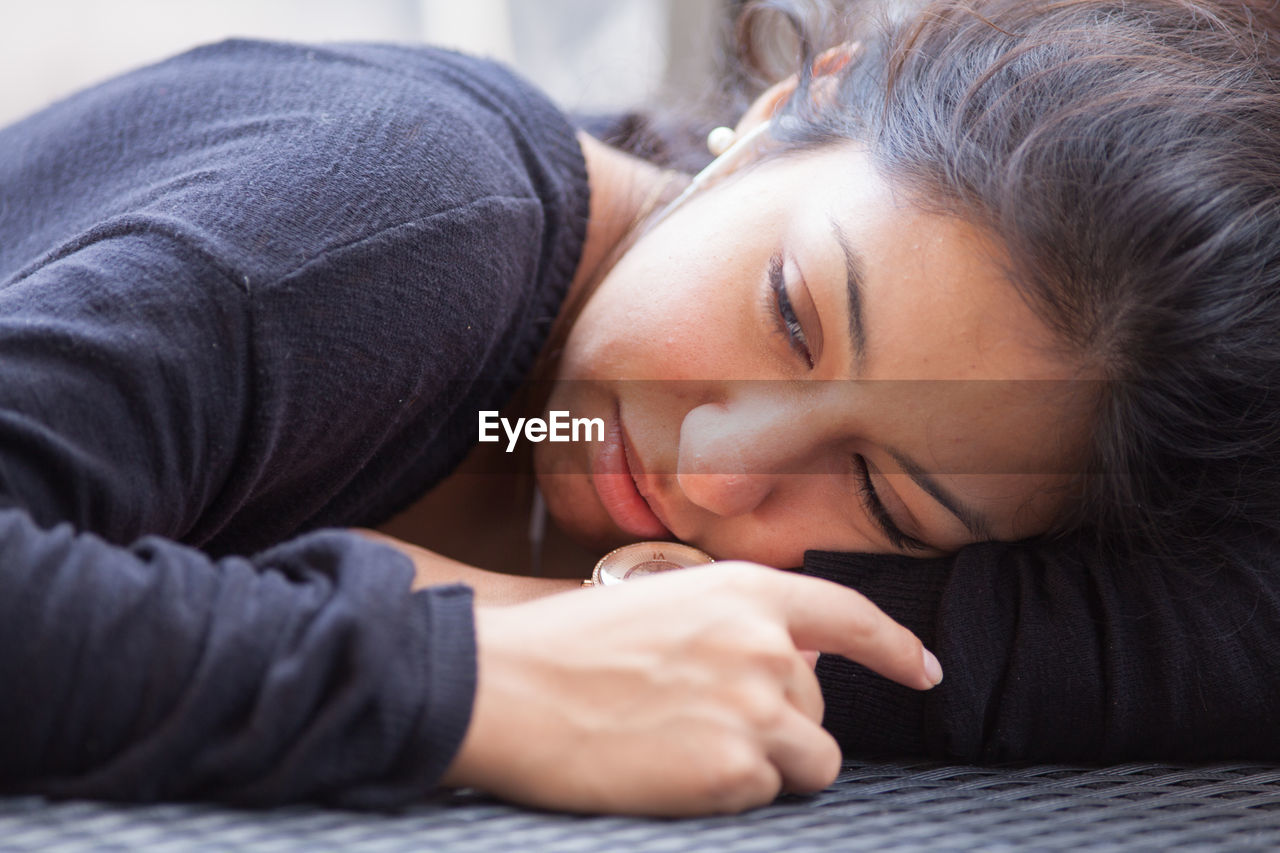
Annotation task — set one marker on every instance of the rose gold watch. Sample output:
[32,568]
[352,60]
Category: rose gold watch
[644,558]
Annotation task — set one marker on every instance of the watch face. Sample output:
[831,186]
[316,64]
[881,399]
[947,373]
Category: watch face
[646,558]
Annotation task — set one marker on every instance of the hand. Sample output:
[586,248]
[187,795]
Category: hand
[680,694]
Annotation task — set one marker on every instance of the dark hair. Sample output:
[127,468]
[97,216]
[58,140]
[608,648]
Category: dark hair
[1126,153]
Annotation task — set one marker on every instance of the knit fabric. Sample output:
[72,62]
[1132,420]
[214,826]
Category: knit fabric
[1053,653]
[246,294]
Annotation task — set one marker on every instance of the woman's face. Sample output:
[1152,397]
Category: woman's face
[798,359]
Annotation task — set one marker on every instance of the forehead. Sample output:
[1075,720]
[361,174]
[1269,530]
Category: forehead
[936,287]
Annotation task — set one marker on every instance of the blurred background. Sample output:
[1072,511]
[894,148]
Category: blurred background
[590,55]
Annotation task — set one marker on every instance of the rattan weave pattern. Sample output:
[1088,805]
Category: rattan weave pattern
[872,806]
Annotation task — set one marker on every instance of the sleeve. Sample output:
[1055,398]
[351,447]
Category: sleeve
[1051,654]
[249,345]
[150,672]
[258,287]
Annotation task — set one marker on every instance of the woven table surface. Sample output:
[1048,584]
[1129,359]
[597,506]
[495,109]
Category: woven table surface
[872,806]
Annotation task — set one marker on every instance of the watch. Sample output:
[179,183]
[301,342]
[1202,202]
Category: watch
[644,558]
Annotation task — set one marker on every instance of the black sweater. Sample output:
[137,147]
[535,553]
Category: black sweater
[246,294]
[260,290]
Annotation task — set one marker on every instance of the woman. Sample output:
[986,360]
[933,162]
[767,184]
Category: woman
[262,289]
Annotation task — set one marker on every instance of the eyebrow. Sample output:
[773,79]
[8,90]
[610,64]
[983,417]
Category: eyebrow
[975,522]
[853,268]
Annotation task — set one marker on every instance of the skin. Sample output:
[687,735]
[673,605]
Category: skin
[674,341]
[586,699]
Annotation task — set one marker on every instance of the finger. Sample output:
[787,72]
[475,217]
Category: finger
[810,658]
[832,618]
[803,690]
[745,782]
[806,755]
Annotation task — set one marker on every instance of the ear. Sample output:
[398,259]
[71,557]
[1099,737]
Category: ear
[764,106]
[752,129]
[834,60]
[825,67]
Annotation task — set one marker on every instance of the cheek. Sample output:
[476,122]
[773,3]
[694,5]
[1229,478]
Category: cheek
[672,330]
[809,512]
[781,545]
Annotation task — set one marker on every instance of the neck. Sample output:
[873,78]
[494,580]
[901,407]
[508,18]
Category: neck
[625,192]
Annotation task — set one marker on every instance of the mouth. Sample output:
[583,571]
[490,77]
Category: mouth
[614,478]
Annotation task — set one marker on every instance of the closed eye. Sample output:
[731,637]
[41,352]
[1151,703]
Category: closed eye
[876,509]
[784,313]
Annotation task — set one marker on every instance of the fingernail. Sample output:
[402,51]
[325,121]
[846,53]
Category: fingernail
[932,669]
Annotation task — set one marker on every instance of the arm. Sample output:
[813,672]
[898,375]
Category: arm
[225,343]
[1056,656]
[152,672]
[490,588]
[308,672]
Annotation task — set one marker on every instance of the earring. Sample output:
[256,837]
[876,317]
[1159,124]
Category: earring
[721,140]
[748,145]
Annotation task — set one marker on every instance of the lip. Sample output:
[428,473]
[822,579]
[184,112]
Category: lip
[614,478]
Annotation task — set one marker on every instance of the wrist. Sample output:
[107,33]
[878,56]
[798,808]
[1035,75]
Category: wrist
[490,588]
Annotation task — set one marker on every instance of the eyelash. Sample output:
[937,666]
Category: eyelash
[784,312]
[788,325]
[875,507]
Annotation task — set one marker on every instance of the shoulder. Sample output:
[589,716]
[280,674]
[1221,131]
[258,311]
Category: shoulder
[272,154]
[259,117]
[458,126]
[336,180]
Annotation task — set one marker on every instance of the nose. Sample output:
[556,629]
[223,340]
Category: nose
[733,453]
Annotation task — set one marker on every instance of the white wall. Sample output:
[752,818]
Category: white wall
[589,54]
